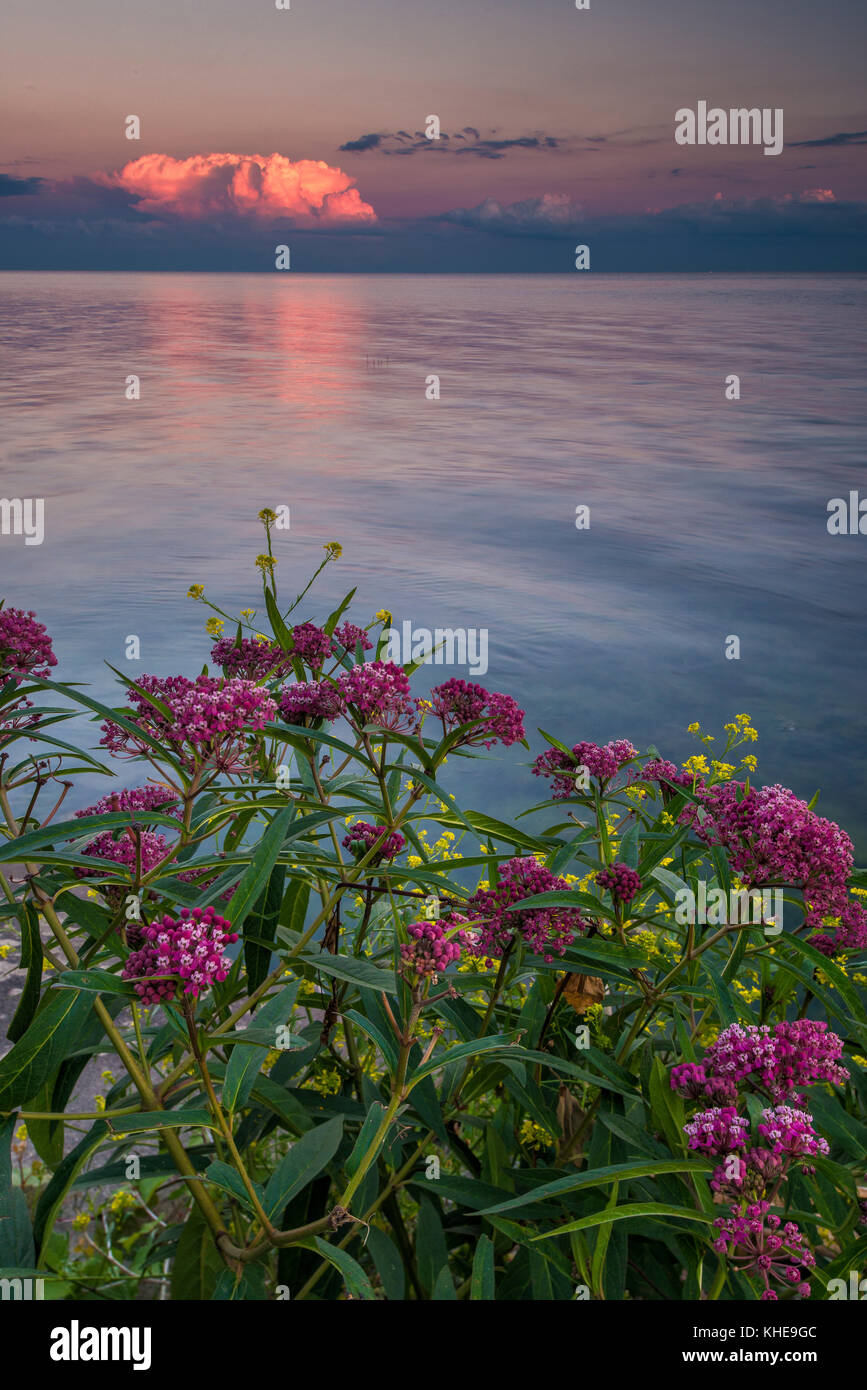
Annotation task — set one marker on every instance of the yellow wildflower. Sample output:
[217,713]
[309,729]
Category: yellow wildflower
[196,591]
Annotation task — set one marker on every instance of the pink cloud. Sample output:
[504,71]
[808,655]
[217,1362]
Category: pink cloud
[216,185]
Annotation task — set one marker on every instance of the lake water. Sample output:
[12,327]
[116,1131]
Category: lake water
[707,516]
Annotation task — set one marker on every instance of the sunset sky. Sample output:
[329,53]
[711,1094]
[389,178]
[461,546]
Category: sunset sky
[309,123]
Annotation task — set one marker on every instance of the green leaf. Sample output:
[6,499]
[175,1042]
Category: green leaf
[388,1264]
[221,1175]
[482,1281]
[245,1062]
[50,1200]
[355,970]
[354,1277]
[31,961]
[627,1213]
[162,1119]
[263,924]
[40,1050]
[258,871]
[430,1246]
[16,1234]
[98,981]
[306,1158]
[599,1177]
[197,1264]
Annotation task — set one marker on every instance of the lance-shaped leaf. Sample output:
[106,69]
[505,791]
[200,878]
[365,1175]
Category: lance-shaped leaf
[40,1050]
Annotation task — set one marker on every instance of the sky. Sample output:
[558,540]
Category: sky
[308,127]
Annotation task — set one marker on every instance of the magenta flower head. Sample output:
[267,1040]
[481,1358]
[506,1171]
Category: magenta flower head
[189,952]
[206,721]
[546,930]
[363,836]
[777,1060]
[251,659]
[790,1132]
[771,836]
[125,850]
[25,647]
[601,763]
[757,1244]
[377,692]
[147,798]
[690,1080]
[312,645]
[349,636]
[717,1131]
[430,951]
[304,704]
[458,702]
[662,771]
[622,882]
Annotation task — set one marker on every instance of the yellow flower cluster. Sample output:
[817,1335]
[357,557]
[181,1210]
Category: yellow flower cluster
[214,627]
[196,591]
[533,1136]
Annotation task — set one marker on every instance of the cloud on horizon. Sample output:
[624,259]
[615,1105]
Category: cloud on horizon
[467,141]
[842,138]
[307,191]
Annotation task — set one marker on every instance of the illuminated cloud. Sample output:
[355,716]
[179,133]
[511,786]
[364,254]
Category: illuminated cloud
[307,191]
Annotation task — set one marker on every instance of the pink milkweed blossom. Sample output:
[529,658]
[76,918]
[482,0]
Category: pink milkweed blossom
[546,930]
[125,851]
[25,647]
[602,763]
[349,636]
[691,1080]
[148,798]
[622,882]
[311,644]
[363,836]
[377,692]
[191,949]
[771,836]
[663,771]
[789,1131]
[777,1059]
[758,1244]
[717,1131]
[207,720]
[429,951]
[250,658]
[301,703]
[458,702]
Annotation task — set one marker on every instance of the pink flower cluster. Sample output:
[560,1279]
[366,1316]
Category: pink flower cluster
[147,798]
[661,770]
[377,692]
[622,882]
[790,1131]
[311,644]
[208,718]
[458,702]
[363,836]
[250,659]
[777,1059]
[190,951]
[429,951]
[25,647]
[126,849]
[603,763]
[772,836]
[301,703]
[755,1243]
[717,1131]
[349,636]
[546,930]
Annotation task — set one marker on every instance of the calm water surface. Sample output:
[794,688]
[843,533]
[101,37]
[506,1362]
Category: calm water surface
[708,517]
